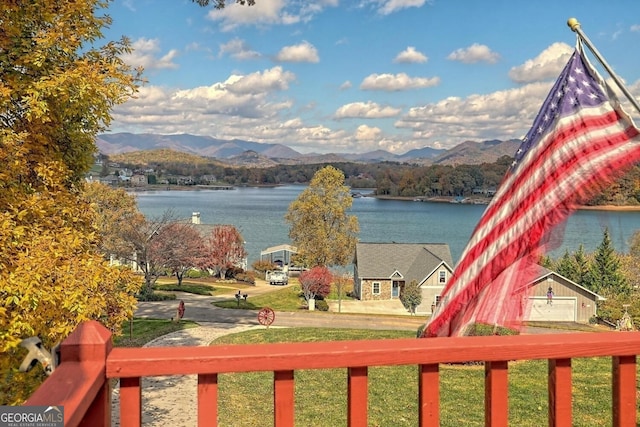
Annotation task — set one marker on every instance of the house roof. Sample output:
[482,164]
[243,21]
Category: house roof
[279,248]
[414,261]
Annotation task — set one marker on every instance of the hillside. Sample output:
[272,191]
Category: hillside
[254,154]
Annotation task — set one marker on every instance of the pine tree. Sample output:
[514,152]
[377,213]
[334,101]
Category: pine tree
[605,274]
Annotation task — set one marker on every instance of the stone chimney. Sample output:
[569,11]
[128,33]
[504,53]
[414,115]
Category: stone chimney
[195,218]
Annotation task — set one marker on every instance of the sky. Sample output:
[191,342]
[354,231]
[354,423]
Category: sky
[338,76]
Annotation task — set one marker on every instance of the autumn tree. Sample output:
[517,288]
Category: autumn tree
[225,249]
[323,232]
[57,87]
[182,248]
[315,282]
[411,296]
[116,211]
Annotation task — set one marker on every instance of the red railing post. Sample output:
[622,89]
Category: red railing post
[79,383]
[496,392]
[130,402]
[208,400]
[283,398]
[429,395]
[357,397]
[624,391]
[560,409]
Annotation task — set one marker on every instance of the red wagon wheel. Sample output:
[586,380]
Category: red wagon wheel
[266,316]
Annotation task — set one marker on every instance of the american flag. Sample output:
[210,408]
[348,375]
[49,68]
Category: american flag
[580,142]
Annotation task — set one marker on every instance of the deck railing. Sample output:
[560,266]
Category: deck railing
[81,382]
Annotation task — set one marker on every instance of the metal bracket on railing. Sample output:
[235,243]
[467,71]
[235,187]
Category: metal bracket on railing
[38,353]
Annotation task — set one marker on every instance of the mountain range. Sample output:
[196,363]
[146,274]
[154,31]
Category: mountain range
[248,153]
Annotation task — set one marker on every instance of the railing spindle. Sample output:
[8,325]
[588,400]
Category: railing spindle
[208,400]
[130,402]
[429,395]
[560,409]
[496,394]
[358,392]
[624,391]
[283,398]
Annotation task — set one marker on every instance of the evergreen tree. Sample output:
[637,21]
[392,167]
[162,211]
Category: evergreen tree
[566,266]
[582,264]
[605,274]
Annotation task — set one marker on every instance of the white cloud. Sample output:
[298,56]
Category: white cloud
[635,28]
[397,82]
[411,55]
[267,13]
[547,65]
[390,6]
[145,54]
[364,133]
[238,49]
[346,85]
[303,52]
[474,53]
[503,114]
[366,110]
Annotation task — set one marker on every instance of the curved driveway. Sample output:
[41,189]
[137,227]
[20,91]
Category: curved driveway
[199,308]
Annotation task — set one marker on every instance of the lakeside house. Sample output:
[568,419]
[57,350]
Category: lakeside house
[381,270]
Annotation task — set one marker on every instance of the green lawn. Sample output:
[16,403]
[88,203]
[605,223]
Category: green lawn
[321,394]
[141,331]
[199,286]
[285,299]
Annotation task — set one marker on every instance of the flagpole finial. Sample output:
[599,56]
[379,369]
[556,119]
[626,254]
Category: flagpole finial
[573,24]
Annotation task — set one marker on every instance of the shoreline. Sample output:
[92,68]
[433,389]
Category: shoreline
[439,199]
[485,201]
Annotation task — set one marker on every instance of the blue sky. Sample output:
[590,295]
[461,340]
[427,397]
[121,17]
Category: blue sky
[357,76]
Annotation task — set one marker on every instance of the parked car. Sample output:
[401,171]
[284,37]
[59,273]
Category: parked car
[278,278]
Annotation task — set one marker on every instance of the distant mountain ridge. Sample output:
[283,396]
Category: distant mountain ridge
[248,153]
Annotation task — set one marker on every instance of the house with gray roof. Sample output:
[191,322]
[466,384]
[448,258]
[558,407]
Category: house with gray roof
[381,271]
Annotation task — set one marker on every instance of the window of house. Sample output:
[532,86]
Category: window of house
[443,277]
[437,300]
[376,288]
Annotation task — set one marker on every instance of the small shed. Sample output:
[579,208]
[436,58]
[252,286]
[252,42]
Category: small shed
[280,254]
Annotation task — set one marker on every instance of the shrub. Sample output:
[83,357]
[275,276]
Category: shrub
[153,296]
[197,274]
[322,305]
[247,277]
[263,266]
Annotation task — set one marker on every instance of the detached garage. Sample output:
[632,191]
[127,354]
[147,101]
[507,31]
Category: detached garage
[569,302]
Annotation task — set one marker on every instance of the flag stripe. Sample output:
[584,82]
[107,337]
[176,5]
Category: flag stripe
[583,148]
[509,246]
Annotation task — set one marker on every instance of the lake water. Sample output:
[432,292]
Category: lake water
[259,215]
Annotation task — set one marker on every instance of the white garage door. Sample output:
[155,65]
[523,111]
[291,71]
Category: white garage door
[560,310]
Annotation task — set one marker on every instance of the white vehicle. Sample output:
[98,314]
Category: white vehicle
[277,278]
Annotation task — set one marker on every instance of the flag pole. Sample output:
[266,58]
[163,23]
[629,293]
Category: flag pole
[575,27]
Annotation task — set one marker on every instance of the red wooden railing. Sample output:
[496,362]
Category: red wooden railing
[81,382]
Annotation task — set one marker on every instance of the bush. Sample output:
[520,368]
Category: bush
[322,305]
[263,266]
[247,277]
[153,296]
[196,274]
